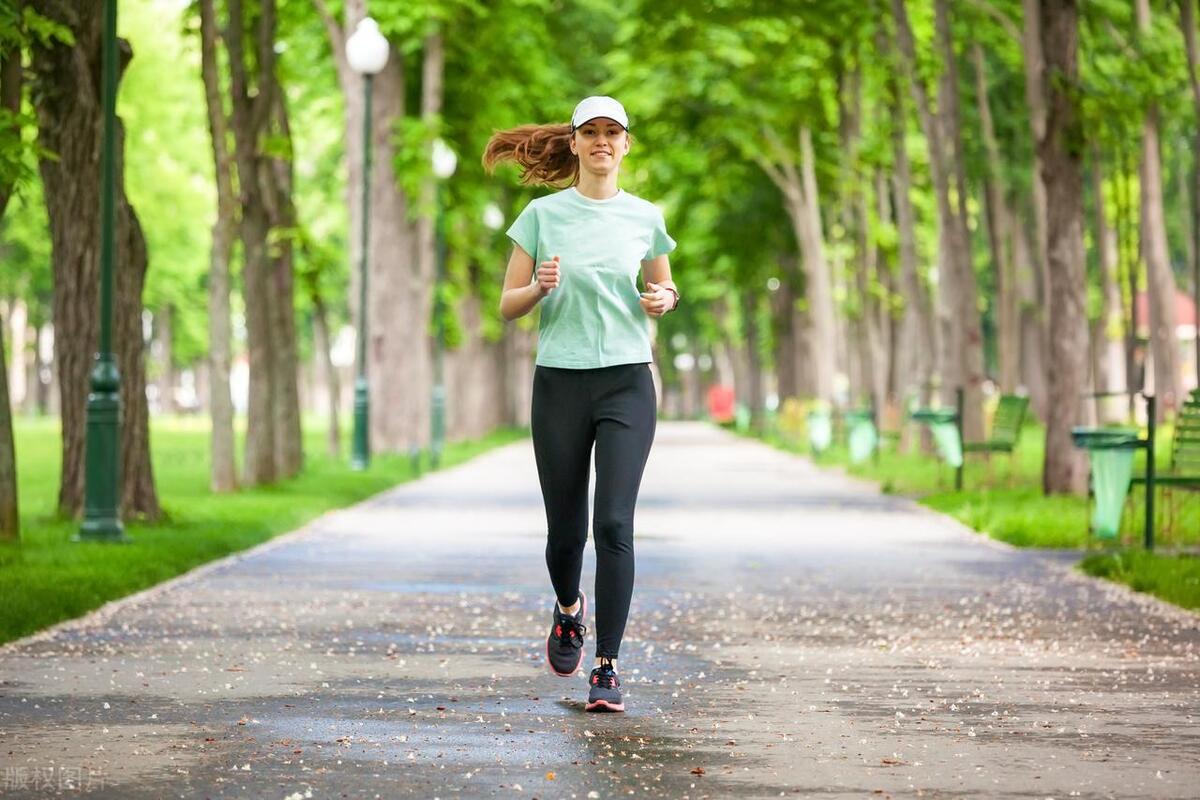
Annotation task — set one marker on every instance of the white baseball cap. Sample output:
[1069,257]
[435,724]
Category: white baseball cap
[599,106]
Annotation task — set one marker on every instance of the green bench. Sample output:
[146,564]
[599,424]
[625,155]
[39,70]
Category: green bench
[946,426]
[1183,474]
[1006,430]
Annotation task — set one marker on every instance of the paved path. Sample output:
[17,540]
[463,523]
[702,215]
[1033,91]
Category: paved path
[793,633]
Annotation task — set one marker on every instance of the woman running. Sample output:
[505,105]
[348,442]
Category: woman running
[592,380]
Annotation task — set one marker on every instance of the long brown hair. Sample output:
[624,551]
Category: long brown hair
[542,151]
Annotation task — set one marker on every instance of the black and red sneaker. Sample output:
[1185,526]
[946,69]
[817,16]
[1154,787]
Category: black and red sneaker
[564,645]
[604,693]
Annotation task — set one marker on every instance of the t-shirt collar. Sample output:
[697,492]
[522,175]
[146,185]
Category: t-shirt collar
[581,196]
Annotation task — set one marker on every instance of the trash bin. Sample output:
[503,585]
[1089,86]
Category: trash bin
[1110,452]
[862,438]
[820,429]
[943,424]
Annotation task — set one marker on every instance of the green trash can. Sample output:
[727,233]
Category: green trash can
[943,424]
[861,437]
[741,417]
[1110,452]
[820,429]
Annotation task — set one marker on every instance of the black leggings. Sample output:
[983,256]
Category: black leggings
[572,408]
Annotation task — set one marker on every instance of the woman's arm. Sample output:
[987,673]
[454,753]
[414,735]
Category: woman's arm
[520,295]
[657,272]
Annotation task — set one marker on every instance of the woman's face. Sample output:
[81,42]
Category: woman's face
[600,143]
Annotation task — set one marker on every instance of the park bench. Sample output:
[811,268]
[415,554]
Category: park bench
[1006,431]
[946,427]
[1183,474]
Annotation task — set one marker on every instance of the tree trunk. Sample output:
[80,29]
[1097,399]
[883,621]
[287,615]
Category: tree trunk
[12,80]
[1108,341]
[1160,282]
[166,375]
[250,116]
[18,370]
[872,372]
[138,495]
[223,472]
[754,365]
[70,125]
[276,177]
[322,343]
[1128,266]
[951,242]
[1007,333]
[815,333]
[422,289]
[783,302]
[820,294]
[1036,100]
[966,294]
[1064,468]
[1187,20]
[10,523]
[42,387]
[919,325]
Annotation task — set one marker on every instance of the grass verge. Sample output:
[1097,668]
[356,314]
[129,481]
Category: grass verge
[1006,502]
[45,578]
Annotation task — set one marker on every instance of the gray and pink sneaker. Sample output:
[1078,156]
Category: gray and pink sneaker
[604,693]
[564,645]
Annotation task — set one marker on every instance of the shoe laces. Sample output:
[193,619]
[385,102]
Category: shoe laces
[570,630]
[605,676]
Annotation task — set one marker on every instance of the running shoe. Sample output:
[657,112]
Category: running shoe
[604,693]
[564,645]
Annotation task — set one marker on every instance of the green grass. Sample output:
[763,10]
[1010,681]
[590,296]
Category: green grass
[1008,504]
[1175,579]
[45,578]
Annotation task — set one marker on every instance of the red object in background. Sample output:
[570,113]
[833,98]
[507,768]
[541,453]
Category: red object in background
[1185,312]
[720,402]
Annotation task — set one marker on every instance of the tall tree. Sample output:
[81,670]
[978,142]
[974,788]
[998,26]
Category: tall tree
[961,352]
[1187,19]
[250,113]
[11,83]
[1164,345]
[1008,333]
[67,79]
[1108,338]
[277,179]
[1061,153]
[919,322]
[223,472]
[965,299]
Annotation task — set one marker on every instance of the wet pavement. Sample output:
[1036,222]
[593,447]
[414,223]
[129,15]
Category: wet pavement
[793,633]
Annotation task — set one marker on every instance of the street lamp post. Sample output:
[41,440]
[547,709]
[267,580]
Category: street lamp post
[367,53]
[102,476]
[444,164]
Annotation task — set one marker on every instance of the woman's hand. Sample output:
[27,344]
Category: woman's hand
[657,301]
[547,276]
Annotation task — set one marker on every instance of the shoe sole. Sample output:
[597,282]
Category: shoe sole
[549,663]
[604,705]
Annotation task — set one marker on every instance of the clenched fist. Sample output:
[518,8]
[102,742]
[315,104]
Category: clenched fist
[547,276]
[657,301]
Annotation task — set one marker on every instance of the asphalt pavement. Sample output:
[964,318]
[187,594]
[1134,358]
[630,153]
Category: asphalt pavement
[793,633]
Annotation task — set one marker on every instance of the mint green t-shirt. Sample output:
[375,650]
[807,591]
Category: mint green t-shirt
[594,317]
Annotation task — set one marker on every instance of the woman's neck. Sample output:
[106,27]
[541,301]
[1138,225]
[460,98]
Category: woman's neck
[597,187]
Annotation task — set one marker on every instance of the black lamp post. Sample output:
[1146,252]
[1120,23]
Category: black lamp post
[102,475]
[367,52]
